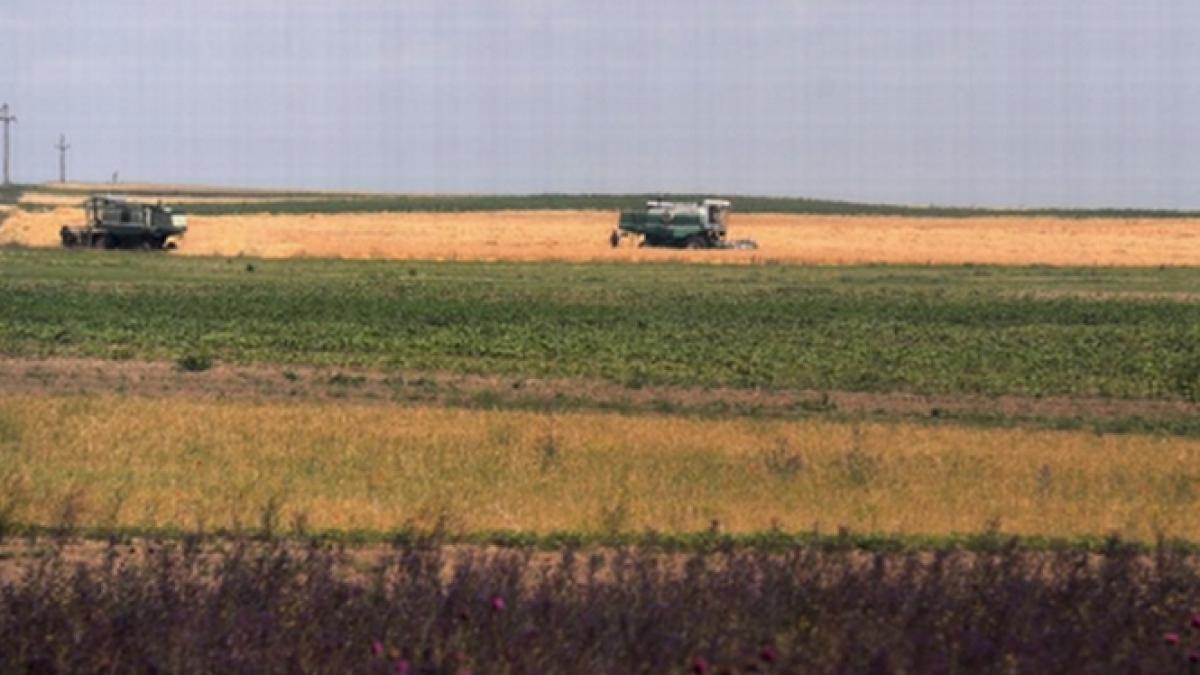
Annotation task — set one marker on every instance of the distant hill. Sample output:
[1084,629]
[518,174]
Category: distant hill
[225,201]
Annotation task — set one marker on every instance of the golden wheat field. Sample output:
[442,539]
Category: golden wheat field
[122,460]
[582,236]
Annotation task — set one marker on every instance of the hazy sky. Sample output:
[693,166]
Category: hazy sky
[998,102]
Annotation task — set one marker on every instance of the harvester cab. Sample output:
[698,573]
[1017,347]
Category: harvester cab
[693,225]
[115,222]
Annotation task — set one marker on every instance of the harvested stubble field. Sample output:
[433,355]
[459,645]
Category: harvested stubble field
[582,236]
[139,462]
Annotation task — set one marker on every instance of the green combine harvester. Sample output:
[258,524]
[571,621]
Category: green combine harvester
[679,225]
[114,222]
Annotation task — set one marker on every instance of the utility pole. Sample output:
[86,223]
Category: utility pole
[7,119]
[62,148]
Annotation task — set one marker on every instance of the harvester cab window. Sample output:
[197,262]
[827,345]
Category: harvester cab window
[125,215]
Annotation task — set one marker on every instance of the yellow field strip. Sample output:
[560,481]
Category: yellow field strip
[582,236]
[122,460]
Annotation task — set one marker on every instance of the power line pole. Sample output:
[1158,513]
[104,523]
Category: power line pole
[7,119]
[62,157]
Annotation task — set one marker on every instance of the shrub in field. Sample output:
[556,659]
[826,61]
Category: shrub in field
[277,607]
[194,362]
[781,460]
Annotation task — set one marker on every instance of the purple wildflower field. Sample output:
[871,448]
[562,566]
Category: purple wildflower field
[276,607]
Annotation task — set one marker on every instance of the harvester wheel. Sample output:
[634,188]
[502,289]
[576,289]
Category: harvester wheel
[110,242]
[695,242]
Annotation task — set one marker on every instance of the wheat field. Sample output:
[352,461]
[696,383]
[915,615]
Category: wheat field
[161,462]
[38,228]
[582,236]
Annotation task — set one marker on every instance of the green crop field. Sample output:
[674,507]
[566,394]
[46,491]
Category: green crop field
[1031,331]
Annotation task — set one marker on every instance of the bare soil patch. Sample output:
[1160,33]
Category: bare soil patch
[267,383]
[362,563]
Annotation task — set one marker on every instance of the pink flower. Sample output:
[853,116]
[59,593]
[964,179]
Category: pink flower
[768,654]
[1194,657]
[377,648]
[498,603]
[1196,621]
[402,667]
[700,665]
[1171,639]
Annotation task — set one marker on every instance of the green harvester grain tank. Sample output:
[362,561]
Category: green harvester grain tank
[693,225]
[115,222]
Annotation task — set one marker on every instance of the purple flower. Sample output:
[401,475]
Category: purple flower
[1196,621]
[700,666]
[402,667]
[376,648]
[1171,639]
[498,604]
[1194,657]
